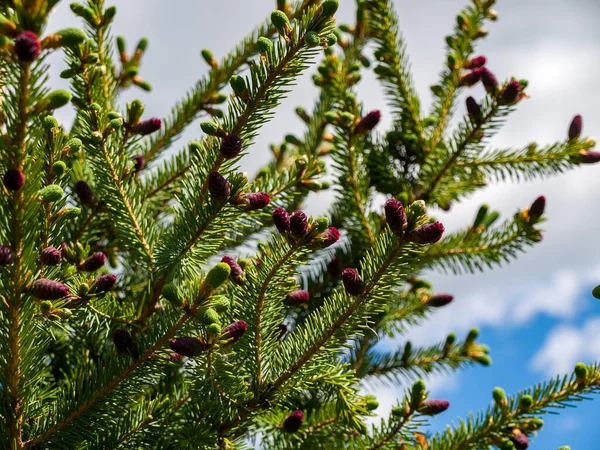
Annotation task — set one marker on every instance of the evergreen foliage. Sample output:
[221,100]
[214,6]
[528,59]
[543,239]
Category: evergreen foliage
[135,312]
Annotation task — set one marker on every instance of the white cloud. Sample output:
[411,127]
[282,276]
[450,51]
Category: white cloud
[566,345]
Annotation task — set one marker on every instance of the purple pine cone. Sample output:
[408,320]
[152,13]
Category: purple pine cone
[138,163]
[257,200]
[352,282]
[94,262]
[576,127]
[14,179]
[427,234]
[293,422]
[537,208]
[7,256]
[329,237]
[218,187]
[27,46]
[187,346]
[234,331]
[125,343]
[282,330]
[473,109]
[296,298]
[474,63]
[85,193]
[298,223]
[231,146]
[434,407]
[489,80]
[45,289]
[368,122]
[520,441]
[590,157]
[335,268]
[149,126]
[105,283]
[50,256]
[439,300]
[511,92]
[281,219]
[236,273]
[471,78]
[395,216]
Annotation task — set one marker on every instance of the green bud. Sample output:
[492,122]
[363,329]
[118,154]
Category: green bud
[581,372]
[110,13]
[499,397]
[596,292]
[221,303]
[472,336]
[218,275]
[330,7]
[331,39]
[238,84]
[92,58]
[73,144]
[417,209]
[173,295]
[525,402]
[135,109]
[371,402]
[114,115]
[490,219]
[366,62]
[115,124]
[280,21]
[322,224]
[291,139]
[484,360]
[564,447]
[71,36]
[507,445]
[397,411]
[524,83]
[264,45]
[83,290]
[195,146]
[142,45]
[70,212]
[417,394]
[144,85]
[95,107]
[57,99]
[64,313]
[406,354]
[536,423]
[451,61]
[347,117]
[51,193]
[214,329]
[45,306]
[451,339]
[84,12]
[208,57]
[331,117]
[218,98]
[207,316]
[49,122]
[312,39]
[355,67]
[211,128]
[59,168]
[121,46]
[421,284]
[483,210]
[67,73]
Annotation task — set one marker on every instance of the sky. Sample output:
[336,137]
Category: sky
[537,313]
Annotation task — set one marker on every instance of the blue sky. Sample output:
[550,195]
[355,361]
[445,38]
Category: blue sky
[537,313]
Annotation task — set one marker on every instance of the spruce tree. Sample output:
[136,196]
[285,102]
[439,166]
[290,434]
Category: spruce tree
[152,299]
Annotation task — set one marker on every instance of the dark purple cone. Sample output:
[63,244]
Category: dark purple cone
[231,146]
[187,346]
[576,127]
[298,223]
[281,219]
[234,331]
[520,441]
[427,234]
[489,80]
[257,200]
[395,215]
[236,273]
[537,208]
[434,407]
[105,283]
[439,300]
[149,126]
[14,179]
[27,46]
[511,92]
[590,157]
[474,63]
[296,298]
[293,422]
[84,193]
[368,122]
[335,268]
[94,262]
[282,330]
[471,78]
[138,163]
[218,187]
[124,343]
[473,109]
[50,256]
[329,237]
[7,256]
[45,289]
[352,282]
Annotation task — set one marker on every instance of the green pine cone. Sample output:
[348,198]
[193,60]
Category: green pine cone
[218,275]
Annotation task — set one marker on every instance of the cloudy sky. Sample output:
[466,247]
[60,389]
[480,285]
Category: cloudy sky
[537,313]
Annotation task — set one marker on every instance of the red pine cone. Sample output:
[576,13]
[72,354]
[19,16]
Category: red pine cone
[395,216]
[27,46]
[474,63]
[139,163]
[281,219]
[439,300]
[473,109]
[149,126]
[471,78]
[231,146]
[234,331]
[218,187]
[489,80]
[352,282]
[257,200]
[236,273]
[7,256]
[576,127]
[335,268]
[296,298]
[283,329]
[45,289]
[536,210]
[105,283]
[293,422]
[298,223]
[368,122]
[520,441]
[427,234]
[511,92]
[187,346]
[14,180]
[85,193]
[590,157]
[329,237]
[125,343]
[50,256]
[434,407]
[93,262]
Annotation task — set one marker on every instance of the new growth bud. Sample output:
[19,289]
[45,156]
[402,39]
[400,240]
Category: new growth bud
[146,127]
[105,283]
[231,146]
[218,275]
[329,237]
[50,256]
[427,234]
[27,46]
[296,298]
[233,332]
[352,282]
[218,187]
[576,127]
[395,216]
[45,289]
[434,407]
[536,211]
[93,262]
[368,122]
[187,346]
[439,300]
[298,224]
[281,219]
